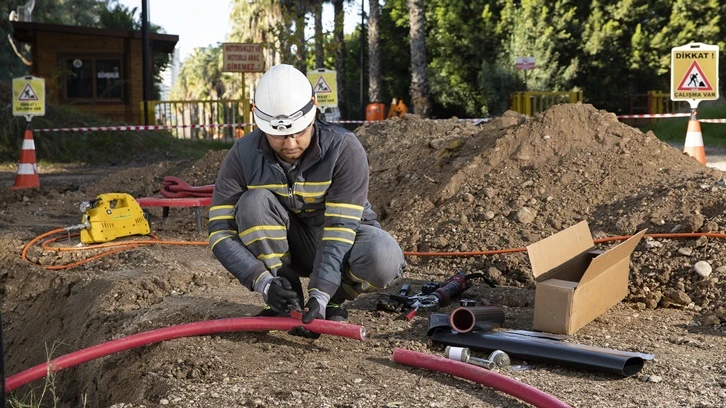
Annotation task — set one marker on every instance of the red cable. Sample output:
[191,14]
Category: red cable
[183,330]
[479,375]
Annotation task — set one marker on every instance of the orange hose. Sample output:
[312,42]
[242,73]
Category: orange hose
[122,246]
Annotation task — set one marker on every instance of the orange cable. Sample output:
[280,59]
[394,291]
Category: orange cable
[122,246]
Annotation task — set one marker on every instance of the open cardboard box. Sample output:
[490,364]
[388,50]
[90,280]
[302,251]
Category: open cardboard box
[575,283]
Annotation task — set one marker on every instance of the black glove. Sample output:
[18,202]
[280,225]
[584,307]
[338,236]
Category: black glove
[310,313]
[280,295]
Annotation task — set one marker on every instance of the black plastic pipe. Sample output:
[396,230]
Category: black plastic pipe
[465,319]
[543,349]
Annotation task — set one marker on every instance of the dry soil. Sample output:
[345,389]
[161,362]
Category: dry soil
[438,186]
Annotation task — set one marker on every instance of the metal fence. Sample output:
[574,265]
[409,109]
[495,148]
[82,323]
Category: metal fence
[530,103]
[207,115]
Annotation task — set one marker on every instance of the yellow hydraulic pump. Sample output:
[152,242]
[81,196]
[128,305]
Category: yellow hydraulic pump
[110,216]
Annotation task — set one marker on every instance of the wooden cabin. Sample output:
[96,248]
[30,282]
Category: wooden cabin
[96,70]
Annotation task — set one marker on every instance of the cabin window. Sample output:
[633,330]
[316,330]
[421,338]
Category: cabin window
[93,78]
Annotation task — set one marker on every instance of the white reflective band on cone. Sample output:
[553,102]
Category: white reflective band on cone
[26,168]
[28,144]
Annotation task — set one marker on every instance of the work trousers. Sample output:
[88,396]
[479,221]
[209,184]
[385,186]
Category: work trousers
[277,237]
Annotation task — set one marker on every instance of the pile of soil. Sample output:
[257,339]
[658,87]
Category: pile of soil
[450,187]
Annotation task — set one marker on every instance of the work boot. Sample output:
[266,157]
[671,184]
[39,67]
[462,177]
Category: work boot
[336,312]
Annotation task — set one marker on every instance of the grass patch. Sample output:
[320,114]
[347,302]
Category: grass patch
[100,147]
[673,130]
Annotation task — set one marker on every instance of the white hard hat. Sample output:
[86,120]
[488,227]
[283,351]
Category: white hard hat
[284,101]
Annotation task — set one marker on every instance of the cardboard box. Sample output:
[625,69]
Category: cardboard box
[575,283]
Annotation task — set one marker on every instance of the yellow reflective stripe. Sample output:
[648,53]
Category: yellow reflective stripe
[347,241]
[344,216]
[233,232]
[269,186]
[312,188]
[222,207]
[258,278]
[342,205]
[221,212]
[338,229]
[222,217]
[270,256]
[263,228]
[266,237]
[220,240]
[277,265]
[364,282]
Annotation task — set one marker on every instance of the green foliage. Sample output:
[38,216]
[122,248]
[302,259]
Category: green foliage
[673,130]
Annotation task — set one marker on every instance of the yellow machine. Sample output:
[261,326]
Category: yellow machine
[111,216]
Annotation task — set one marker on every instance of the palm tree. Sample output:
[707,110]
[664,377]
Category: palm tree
[419,80]
[374,62]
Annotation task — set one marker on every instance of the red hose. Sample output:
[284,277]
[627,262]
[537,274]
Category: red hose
[183,330]
[479,375]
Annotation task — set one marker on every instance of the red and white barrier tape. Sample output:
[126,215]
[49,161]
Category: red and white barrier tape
[140,127]
[654,115]
[223,125]
[712,120]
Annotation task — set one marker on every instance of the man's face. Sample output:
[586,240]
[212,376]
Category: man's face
[291,147]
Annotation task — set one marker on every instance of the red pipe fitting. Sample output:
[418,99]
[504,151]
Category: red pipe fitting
[479,375]
[183,330]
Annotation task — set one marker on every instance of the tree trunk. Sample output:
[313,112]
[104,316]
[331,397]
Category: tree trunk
[374,62]
[301,54]
[319,50]
[419,80]
[339,54]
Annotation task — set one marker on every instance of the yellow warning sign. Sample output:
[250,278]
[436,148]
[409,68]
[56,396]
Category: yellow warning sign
[325,87]
[694,72]
[28,96]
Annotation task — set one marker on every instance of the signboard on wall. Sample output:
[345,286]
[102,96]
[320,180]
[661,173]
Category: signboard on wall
[240,57]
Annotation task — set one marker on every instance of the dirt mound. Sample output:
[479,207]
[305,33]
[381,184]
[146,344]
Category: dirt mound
[441,186]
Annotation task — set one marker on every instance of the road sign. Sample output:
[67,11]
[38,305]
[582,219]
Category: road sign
[694,73]
[28,96]
[524,63]
[325,87]
[239,57]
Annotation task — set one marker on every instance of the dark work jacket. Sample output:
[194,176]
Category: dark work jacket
[330,189]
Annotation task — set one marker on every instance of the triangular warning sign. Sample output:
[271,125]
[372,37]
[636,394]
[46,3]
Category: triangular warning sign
[322,86]
[694,80]
[28,94]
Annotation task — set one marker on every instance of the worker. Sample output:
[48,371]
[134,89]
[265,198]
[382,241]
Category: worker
[291,201]
[398,108]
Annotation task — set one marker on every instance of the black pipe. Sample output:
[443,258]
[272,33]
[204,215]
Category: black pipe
[464,319]
[541,349]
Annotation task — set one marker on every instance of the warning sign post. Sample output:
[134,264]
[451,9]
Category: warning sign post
[28,97]
[325,86]
[694,73]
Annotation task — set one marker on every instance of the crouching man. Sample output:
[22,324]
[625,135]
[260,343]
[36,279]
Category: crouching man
[291,200]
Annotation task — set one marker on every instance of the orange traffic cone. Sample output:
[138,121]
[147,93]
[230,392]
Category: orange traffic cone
[694,141]
[27,175]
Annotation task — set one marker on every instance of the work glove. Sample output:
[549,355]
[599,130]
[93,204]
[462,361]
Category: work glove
[279,295]
[310,313]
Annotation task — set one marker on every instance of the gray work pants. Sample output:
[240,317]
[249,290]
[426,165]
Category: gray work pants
[373,262]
